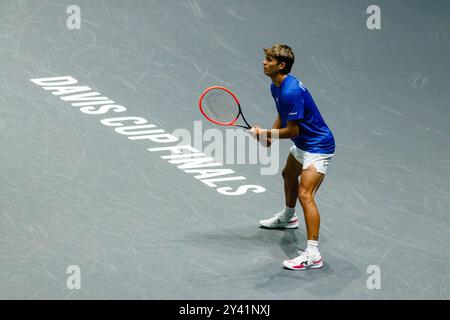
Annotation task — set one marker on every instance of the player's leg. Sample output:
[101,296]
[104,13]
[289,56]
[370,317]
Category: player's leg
[309,184]
[291,172]
[287,218]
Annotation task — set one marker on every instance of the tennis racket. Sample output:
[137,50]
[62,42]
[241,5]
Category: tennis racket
[220,106]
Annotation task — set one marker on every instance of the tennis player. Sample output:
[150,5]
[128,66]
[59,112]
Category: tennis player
[299,120]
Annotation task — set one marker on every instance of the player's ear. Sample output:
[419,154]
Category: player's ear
[282,65]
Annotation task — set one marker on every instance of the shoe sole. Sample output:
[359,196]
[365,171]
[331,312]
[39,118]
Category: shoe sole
[316,266]
[295,226]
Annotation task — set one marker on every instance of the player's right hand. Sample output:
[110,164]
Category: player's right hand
[254,131]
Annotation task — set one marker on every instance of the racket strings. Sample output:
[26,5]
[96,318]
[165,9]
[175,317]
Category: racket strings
[220,106]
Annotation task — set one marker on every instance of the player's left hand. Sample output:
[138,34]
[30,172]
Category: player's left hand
[266,142]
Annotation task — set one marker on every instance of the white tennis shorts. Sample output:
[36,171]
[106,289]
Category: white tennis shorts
[320,161]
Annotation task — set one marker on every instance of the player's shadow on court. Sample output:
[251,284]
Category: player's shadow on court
[253,238]
[271,277]
[290,241]
[333,277]
[327,282]
[250,238]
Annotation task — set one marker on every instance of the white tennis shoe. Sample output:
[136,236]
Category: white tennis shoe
[306,260]
[277,221]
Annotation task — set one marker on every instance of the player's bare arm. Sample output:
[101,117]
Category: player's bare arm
[290,131]
[277,123]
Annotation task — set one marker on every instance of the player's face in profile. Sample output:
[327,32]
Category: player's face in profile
[271,66]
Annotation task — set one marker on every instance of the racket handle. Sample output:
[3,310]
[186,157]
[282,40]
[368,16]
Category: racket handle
[242,126]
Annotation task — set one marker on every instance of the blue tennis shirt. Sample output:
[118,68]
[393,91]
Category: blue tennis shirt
[295,103]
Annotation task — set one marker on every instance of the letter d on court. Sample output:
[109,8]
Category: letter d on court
[374,281]
[74,280]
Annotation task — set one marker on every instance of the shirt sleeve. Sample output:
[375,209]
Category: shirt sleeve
[295,104]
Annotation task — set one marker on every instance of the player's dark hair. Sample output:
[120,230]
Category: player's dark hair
[281,53]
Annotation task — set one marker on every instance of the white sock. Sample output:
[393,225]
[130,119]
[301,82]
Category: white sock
[313,246]
[288,212]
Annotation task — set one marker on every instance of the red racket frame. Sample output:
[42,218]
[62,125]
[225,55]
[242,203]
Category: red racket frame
[231,123]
